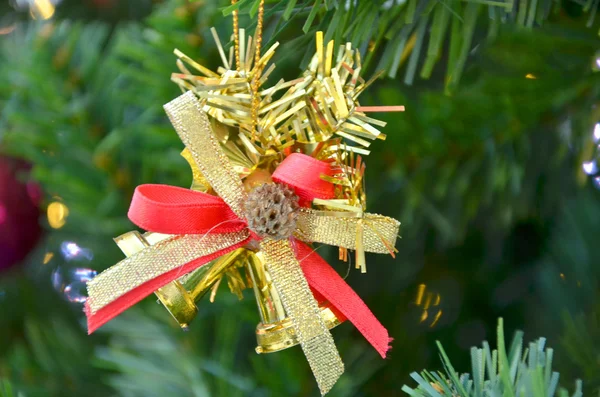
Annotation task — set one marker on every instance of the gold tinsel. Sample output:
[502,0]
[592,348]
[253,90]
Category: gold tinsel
[317,114]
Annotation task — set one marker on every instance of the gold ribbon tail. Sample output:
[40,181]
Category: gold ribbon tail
[368,232]
[302,309]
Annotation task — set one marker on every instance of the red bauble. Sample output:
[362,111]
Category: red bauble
[19,212]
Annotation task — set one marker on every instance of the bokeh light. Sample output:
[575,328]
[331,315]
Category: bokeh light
[42,9]
[72,251]
[7,29]
[48,257]
[71,283]
[590,167]
[57,214]
[428,302]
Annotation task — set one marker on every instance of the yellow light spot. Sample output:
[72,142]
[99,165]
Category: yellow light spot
[57,214]
[530,76]
[42,9]
[438,298]
[562,275]
[420,292]
[424,315]
[428,300]
[579,284]
[48,257]
[437,317]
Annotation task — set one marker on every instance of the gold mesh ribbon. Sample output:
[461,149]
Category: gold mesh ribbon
[379,232]
[154,261]
[193,127]
[302,309]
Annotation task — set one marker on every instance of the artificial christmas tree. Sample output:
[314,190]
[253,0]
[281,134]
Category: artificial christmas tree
[480,168]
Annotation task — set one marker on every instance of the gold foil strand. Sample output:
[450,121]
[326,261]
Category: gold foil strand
[153,261]
[300,305]
[213,31]
[194,129]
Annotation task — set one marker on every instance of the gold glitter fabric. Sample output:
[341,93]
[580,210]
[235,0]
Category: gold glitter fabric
[193,127]
[340,228]
[154,261]
[302,309]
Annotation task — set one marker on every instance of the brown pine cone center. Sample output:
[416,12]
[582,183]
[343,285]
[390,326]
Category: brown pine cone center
[272,210]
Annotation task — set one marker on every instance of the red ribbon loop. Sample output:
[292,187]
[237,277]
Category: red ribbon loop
[174,210]
[303,174]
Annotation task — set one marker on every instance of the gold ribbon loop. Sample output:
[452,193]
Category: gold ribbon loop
[193,127]
[154,261]
[336,228]
[302,309]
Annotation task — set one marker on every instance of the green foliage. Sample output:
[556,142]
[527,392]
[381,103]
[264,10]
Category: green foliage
[6,389]
[569,282]
[516,372]
[159,360]
[44,350]
[83,103]
[580,342]
[391,32]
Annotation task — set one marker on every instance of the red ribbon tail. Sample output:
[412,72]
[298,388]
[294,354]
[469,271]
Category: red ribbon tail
[124,302]
[327,282]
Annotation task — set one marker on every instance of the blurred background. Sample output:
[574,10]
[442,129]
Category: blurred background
[493,171]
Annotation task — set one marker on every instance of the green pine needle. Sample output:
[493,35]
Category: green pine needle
[523,373]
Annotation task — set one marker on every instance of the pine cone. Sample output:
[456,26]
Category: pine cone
[271,211]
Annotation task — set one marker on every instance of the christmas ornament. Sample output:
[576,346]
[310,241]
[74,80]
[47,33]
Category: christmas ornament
[270,178]
[19,213]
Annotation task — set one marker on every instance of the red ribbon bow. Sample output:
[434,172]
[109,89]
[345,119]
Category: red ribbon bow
[174,210]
